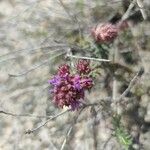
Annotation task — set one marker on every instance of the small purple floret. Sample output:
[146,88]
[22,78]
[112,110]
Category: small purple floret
[55,81]
[77,82]
[75,105]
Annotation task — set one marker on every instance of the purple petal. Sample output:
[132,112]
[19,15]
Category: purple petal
[77,82]
[55,81]
[75,105]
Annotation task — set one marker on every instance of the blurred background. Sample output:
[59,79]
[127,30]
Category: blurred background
[34,39]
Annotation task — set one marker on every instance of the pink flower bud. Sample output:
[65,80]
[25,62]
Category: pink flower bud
[64,70]
[105,33]
[83,66]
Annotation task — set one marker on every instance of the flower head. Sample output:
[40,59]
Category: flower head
[68,89]
[104,33]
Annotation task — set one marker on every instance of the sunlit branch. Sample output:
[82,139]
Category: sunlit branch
[88,58]
[141,6]
[127,13]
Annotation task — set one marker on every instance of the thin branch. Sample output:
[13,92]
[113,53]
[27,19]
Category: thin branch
[73,17]
[131,84]
[65,140]
[101,102]
[43,124]
[66,9]
[18,92]
[36,66]
[33,49]
[105,144]
[139,51]
[138,48]
[22,115]
[115,82]
[18,55]
[8,59]
[127,13]
[115,59]
[94,127]
[115,87]
[22,12]
[70,129]
[141,6]
[31,6]
[89,58]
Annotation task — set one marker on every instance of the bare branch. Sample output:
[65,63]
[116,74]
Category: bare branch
[30,7]
[33,49]
[141,6]
[70,129]
[115,82]
[101,102]
[18,55]
[105,144]
[94,128]
[73,17]
[36,66]
[43,124]
[127,13]
[115,59]
[22,115]
[65,140]
[8,59]
[131,84]
[89,58]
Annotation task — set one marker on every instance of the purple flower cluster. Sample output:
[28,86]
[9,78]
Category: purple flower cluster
[69,89]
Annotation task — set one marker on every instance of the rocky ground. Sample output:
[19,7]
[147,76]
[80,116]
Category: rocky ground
[29,33]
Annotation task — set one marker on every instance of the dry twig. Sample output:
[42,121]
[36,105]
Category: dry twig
[127,13]
[94,127]
[131,84]
[70,129]
[43,124]
[141,6]
[89,58]
[22,115]
[36,66]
